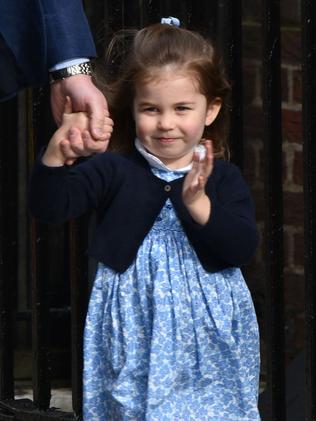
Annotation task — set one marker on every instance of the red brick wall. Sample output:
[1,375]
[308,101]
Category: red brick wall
[292,166]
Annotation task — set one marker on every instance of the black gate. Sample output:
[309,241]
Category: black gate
[44,274]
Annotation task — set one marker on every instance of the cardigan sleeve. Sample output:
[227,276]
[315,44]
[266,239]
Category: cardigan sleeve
[230,236]
[57,194]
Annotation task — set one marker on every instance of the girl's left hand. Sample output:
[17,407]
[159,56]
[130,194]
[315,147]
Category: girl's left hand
[194,197]
[195,180]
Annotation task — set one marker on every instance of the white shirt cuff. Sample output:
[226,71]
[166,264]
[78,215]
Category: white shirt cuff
[68,63]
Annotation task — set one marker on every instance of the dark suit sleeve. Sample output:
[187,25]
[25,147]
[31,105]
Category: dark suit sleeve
[67,31]
[23,45]
[36,34]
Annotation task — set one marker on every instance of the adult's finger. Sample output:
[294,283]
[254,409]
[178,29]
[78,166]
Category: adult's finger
[68,105]
[76,142]
[98,114]
[94,146]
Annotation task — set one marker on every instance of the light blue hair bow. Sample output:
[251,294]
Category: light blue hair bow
[170,21]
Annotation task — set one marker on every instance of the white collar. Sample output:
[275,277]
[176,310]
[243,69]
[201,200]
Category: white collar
[156,162]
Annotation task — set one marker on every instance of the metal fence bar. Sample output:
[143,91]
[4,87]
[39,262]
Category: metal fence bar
[38,240]
[79,294]
[204,17]
[8,243]
[274,212]
[114,14]
[133,13]
[309,151]
[150,11]
[41,375]
[168,8]
[229,35]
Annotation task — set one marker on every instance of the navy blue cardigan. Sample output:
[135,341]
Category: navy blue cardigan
[128,198]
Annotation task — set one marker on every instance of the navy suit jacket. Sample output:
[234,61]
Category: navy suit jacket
[35,35]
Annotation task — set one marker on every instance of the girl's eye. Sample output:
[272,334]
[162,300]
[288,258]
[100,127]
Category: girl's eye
[149,109]
[183,108]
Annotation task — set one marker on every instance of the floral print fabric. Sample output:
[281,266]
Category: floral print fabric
[167,341]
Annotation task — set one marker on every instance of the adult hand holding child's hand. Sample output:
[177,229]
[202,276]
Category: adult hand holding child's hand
[73,140]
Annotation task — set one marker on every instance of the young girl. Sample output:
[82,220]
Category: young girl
[171,332]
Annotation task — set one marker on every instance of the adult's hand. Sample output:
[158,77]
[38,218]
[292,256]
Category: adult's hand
[85,97]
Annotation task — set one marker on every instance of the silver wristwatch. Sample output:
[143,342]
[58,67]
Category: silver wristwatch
[76,69]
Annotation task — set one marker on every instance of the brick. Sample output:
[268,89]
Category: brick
[250,74]
[284,84]
[292,125]
[252,41]
[298,168]
[293,204]
[253,162]
[293,249]
[299,249]
[297,86]
[291,45]
[288,247]
[287,170]
[290,12]
[253,121]
[292,166]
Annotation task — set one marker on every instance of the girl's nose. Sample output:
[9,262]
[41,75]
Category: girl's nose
[166,121]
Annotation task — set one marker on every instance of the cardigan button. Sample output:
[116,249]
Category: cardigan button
[167,187]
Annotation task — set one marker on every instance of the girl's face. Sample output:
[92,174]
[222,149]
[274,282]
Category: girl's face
[170,115]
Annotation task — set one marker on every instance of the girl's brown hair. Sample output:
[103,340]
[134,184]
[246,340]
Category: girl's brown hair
[151,49]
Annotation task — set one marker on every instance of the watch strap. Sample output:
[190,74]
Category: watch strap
[76,69]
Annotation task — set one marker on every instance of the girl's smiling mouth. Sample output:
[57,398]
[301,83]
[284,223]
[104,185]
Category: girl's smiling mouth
[167,139]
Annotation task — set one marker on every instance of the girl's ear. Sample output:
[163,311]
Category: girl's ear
[212,111]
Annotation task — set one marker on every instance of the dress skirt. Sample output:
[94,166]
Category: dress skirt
[168,341]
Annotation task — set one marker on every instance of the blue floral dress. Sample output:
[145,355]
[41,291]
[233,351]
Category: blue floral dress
[167,341]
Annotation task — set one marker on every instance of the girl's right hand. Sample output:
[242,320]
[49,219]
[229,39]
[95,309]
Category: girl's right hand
[79,144]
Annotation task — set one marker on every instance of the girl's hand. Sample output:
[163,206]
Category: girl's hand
[193,193]
[80,143]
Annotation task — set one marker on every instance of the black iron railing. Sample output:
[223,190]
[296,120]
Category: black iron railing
[309,132]
[274,321]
